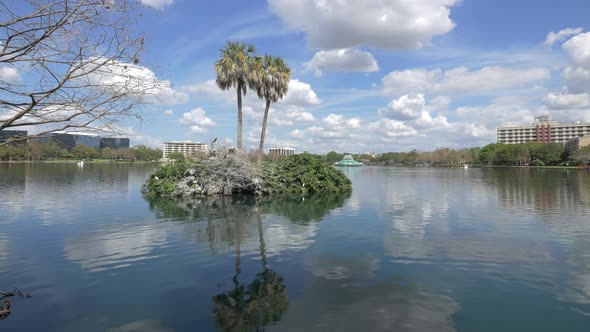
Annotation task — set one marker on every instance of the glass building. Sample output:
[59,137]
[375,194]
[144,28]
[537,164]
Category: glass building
[11,134]
[115,143]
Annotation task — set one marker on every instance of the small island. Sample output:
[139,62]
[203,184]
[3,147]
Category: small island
[235,174]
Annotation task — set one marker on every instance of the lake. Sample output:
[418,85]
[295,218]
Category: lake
[410,249]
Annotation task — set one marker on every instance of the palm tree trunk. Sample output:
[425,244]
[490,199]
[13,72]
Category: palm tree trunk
[237,264]
[263,133]
[261,241]
[239,139]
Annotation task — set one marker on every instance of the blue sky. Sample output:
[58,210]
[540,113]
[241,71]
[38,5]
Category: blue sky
[372,75]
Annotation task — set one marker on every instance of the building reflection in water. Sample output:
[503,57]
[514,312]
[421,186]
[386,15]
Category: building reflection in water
[548,191]
[59,191]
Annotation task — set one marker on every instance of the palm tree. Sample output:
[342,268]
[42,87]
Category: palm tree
[232,72]
[270,78]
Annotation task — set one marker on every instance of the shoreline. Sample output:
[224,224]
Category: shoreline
[486,166]
[69,161]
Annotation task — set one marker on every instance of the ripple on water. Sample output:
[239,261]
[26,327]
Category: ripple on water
[115,248]
[3,252]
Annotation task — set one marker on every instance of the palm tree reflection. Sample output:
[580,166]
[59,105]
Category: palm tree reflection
[255,305]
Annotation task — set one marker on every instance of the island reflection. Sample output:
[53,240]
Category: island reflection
[228,222]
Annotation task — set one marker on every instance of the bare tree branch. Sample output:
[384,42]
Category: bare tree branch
[80,62]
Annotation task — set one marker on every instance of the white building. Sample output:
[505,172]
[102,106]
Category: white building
[281,151]
[187,148]
[543,130]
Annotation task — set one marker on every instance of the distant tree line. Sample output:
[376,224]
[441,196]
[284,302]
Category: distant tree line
[533,154]
[440,156]
[38,151]
[528,154]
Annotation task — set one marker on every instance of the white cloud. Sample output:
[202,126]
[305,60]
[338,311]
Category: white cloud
[490,78]
[500,112]
[289,116]
[410,81]
[137,138]
[135,80]
[460,80]
[169,112]
[114,248]
[577,73]
[578,49]
[210,89]
[300,94]
[9,75]
[554,37]
[404,108]
[577,78]
[296,133]
[413,112]
[144,139]
[566,101]
[438,103]
[197,121]
[3,251]
[343,60]
[410,121]
[157,4]
[394,24]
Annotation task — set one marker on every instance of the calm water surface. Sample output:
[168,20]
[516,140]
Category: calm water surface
[407,250]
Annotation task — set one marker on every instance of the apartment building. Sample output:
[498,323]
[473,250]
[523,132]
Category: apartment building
[187,148]
[281,151]
[543,130]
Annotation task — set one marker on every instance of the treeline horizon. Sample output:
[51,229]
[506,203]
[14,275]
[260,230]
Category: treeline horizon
[534,154]
[40,151]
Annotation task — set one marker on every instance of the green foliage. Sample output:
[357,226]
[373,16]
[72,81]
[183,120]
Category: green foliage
[13,152]
[298,174]
[176,156]
[582,155]
[108,153]
[332,157]
[303,210]
[142,152]
[125,154]
[537,154]
[303,174]
[84,152]
[41,150]
[163,182]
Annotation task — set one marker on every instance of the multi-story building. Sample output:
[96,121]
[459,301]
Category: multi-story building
[71,140]
[186,148]
[281,151]
[12,134]
[543,130]
[577,143]
[115,143]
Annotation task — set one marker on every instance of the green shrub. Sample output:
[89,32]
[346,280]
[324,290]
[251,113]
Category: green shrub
[298,174]
[303,174]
